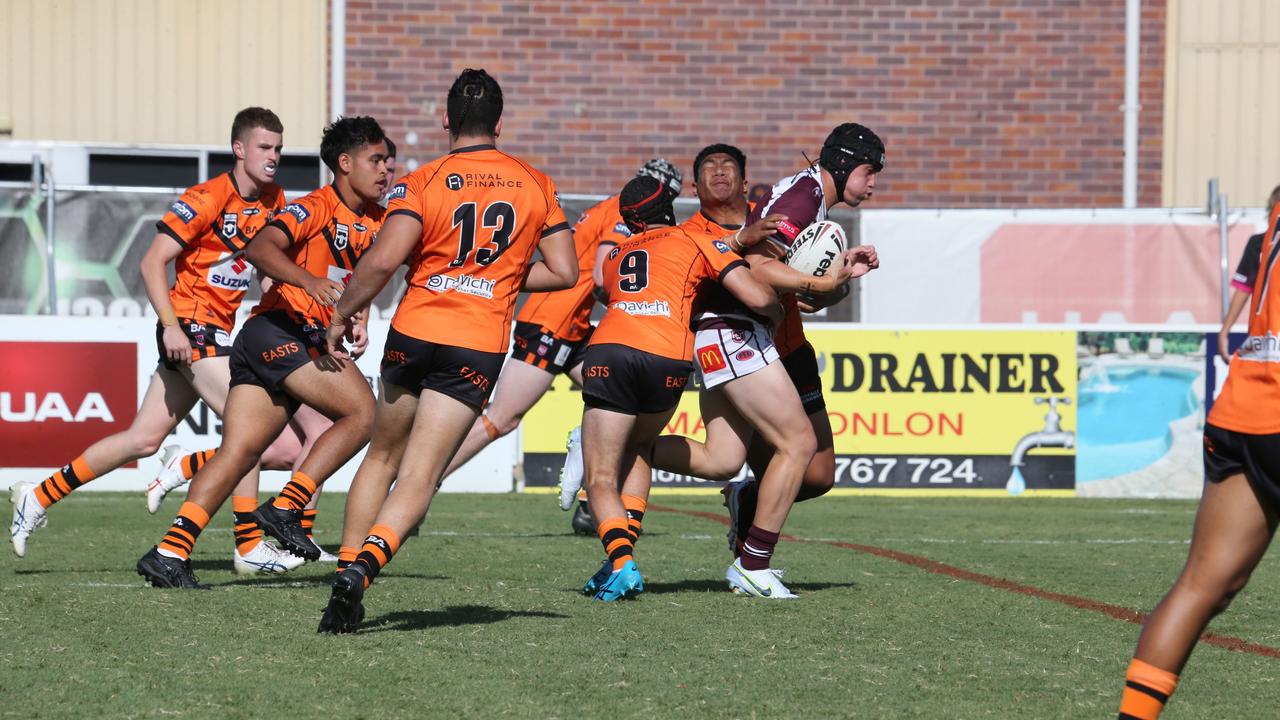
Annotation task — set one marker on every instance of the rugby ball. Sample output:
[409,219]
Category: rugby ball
[817,248]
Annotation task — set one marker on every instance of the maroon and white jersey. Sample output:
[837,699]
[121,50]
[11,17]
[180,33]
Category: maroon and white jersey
[801,199]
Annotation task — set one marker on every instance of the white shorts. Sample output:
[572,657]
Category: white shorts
[728,349]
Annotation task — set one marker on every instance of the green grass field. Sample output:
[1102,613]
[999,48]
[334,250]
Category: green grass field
[480,617]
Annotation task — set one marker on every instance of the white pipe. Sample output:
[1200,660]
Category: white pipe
[337,58]
[1132,29]
[1224,269]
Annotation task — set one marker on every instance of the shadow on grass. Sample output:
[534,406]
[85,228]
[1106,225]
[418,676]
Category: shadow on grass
[324,579]
[453,616]
[720,586]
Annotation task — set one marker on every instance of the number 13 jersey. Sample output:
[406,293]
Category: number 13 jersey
[483,213]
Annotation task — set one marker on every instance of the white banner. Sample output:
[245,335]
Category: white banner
[1031,267]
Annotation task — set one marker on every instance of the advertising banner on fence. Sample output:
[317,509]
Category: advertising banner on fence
[52,406]
[66,382]
[962,409]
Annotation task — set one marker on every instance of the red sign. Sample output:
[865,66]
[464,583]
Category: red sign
[58,398]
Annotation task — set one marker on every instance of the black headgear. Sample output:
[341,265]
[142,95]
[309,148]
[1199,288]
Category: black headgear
[645,202]
[720,148]
[847,147]
[665,172]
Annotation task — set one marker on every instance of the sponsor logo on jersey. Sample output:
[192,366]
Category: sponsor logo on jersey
[339,275]
[613,254]
[230,272]
[744,355]
[721,246]
[359,227]
[251,211]
[710,358]
[789,230]
[453,182]
[341,236]
[399,191]
[184,211]
[466,284]
[298,212]
[654,308]
[622,229]
[221,338]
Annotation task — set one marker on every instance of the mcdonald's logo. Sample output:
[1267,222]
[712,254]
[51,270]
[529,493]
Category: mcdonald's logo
[710,359]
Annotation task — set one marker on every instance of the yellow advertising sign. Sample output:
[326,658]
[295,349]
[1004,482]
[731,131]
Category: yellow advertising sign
[943,392]
[921,408]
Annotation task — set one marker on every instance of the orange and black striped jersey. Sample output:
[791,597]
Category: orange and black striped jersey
[213,223]
[651,281]
[483,213]
[567,313]
[326,238]
[1250,398]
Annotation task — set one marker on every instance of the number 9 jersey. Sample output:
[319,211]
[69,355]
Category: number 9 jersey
[651,281]
[483,212]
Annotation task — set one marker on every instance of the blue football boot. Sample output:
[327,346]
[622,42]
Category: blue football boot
[624,583]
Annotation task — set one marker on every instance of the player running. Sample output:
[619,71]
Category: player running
[204,235]
[1239,509]
[552,328]
[851,157]
[746,392]
[638,362]
[468,224]
[280,360]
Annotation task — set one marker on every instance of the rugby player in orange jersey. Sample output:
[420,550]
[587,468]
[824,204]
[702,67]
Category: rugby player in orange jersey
[280,357]
[638,362]
[552,329]
[1239,509]
[468,224]
[204,235]
[286,453]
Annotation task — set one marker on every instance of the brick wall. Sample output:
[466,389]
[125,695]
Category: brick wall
[981,102]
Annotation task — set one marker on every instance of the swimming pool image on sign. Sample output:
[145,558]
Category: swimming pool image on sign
[1124,417]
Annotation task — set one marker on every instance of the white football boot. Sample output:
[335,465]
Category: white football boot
[765,583]
[265,559]
[571,475]
[169,479]
[28,514]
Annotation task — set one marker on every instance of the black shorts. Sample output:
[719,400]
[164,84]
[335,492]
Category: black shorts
[463,374]
[206,341]
[1227,453]
[537,346]
[630,381]
[802,366]
[272,345]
